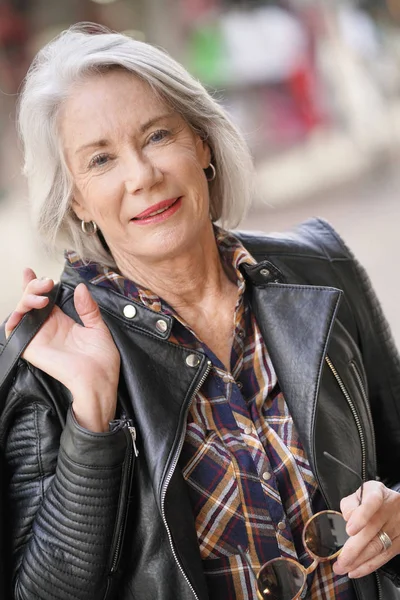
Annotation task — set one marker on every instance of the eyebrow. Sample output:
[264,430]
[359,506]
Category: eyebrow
[101,143]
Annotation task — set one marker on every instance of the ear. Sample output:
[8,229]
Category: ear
[203,152]
[78,208]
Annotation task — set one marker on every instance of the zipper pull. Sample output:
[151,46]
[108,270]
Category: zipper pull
[132,431]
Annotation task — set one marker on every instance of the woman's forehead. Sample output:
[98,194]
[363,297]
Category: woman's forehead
[114,85]
[108,103]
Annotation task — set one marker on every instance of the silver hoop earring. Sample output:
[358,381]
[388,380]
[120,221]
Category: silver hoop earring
[92,230]
[214,172]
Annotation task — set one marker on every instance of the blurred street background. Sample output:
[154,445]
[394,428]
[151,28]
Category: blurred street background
[314,86]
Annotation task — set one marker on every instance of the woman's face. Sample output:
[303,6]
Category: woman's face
[132,156]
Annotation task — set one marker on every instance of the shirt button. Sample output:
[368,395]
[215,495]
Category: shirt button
[241,334]
[266,476]
[281,525]
[248,430]
[226,379]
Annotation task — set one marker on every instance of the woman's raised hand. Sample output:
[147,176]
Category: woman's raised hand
[379,511]
[83,358]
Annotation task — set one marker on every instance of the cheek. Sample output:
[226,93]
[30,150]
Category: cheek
[101,196]
[191,171]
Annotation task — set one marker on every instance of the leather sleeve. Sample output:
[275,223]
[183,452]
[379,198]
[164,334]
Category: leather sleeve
[66,499]
[382,366]
[380,356]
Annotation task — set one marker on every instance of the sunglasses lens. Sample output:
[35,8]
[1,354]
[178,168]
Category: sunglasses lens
[325,534]
[280,579]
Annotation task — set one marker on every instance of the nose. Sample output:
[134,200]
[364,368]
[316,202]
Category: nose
[141,174]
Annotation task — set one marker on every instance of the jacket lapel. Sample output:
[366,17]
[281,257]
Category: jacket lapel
[296,322]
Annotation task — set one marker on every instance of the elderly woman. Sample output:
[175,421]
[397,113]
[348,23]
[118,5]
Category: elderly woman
[195,396]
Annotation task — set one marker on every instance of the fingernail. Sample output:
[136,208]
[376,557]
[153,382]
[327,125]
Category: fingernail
[45,279]
[353,574]
[338,569]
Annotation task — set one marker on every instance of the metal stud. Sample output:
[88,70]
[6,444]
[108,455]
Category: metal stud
[162,325]
[130,311]
[192,360]
[265,272]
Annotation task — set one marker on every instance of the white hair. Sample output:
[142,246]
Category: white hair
[79,52]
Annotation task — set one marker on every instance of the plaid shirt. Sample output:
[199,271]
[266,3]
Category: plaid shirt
[249,481]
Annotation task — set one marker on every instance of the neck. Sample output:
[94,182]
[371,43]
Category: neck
[191,278]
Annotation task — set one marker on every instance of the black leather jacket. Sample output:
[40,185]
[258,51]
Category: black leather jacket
[90,520]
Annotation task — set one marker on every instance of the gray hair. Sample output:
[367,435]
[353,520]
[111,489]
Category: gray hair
[86,49]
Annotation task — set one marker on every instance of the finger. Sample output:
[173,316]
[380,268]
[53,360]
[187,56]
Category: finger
[360,548]
[380,558]
[87,308]
[29,302]
[12,322]
[27,276]
[33,301]
[366,545]
[349,504]
[372,550]
[369,566]
[374,497]
[35,289]
[39,286]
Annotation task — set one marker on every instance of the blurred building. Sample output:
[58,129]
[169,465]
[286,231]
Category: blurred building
[313,84]
[292,73]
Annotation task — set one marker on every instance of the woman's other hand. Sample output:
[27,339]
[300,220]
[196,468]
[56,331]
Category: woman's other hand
[363,552]
[83,358]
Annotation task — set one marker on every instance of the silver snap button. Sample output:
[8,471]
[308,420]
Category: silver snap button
[281,525]
[248,430]
[162,325]
[266,476]
[192,360]
[129,311]
[239,384]
[226,379]
[265,272]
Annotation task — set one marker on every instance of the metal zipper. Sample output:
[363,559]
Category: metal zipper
[365,397]
[169,476]
[355,415]
[132,431]
[359,428]
[134,450]
[379,585]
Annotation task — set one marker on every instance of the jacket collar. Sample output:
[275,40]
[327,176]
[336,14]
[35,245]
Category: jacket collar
[286,314]
[296,322]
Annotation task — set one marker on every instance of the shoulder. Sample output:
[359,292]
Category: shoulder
[314,254]
[313,239]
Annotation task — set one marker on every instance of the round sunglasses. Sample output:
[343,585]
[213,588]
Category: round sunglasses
[324,535]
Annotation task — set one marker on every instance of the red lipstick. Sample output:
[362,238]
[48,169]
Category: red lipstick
[158,212]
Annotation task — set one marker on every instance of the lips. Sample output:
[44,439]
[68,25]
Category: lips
[158,213]
[156,209]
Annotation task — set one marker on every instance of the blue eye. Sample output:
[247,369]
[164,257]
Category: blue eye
[99,161]
[159,135]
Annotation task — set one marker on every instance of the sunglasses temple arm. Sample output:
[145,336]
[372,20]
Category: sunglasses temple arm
[247,561]
[342,464]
